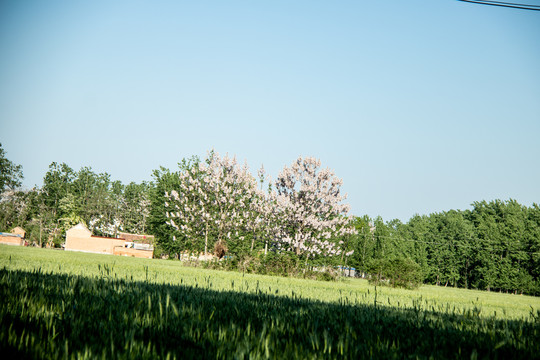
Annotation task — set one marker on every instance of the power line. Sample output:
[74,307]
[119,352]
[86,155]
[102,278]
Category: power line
[505,4]
[486,242]
[471,246]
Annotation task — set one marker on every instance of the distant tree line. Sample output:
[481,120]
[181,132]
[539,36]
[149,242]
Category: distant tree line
[494,246]
[68,197]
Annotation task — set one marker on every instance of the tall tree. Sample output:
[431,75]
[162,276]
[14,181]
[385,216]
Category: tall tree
[216,198]
[57,183]
[164,181]
[533,249]
[416,233]
[362,243]
[315,214]
[11,174]
[135,207]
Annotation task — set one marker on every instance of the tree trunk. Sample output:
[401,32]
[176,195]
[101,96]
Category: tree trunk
[467,275]
[206,241]
[305,266]
[40,226]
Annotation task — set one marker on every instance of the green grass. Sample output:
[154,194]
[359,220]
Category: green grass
[66,304]
[503,306]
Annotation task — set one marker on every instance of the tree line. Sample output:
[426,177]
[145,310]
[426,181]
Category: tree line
[68,197]
[494,246]
[298,220]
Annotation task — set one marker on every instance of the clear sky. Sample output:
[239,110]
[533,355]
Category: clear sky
[420,106]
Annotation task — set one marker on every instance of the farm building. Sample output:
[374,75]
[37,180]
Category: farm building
[79,238]
[15,237]
[19,231]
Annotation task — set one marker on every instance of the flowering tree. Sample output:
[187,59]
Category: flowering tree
[268,210]
[220,199]
[186,205]
[311,204]
[216,198]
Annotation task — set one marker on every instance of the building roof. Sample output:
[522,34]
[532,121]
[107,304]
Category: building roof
[10,234]
[141,238]
[78,227]
[107,237]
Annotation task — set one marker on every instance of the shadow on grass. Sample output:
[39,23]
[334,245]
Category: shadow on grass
[53,316]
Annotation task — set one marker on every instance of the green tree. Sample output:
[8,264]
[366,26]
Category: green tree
[417,232]
[532,239]
[94,203]
[455,235]
[382,235]
[135,207]
[362,243]
[57,183]
[505,233]
[167,238]
[11,174]
[17,208]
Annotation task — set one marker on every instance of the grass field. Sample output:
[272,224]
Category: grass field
[60,304]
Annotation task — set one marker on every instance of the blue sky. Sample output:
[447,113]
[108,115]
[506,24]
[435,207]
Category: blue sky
[419,106]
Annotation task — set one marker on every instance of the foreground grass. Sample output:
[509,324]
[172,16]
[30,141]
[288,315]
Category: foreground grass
[63,304]
[502,306]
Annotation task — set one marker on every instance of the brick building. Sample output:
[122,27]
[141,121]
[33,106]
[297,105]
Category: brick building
[15,237]
[79,238]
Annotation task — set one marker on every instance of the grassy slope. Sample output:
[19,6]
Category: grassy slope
[73,305]
[502,306]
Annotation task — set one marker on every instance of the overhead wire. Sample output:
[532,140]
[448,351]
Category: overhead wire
[485,241]
[505,4]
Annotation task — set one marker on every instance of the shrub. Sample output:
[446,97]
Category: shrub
[281,264]
[326,275]
[396,272]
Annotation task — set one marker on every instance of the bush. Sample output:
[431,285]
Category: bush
[274,264]
[396,272]
[327,274]
[281,264]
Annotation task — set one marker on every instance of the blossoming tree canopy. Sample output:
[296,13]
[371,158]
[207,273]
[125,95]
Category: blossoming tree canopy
[217,198]
[220,200]
[313,207]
